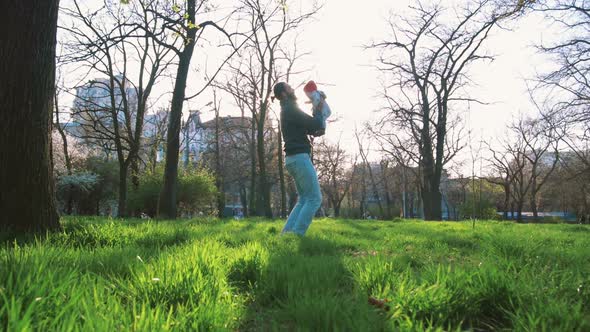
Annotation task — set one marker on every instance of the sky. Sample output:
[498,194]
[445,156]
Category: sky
[336,38]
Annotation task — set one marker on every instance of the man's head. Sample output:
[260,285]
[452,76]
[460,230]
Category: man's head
[284,91]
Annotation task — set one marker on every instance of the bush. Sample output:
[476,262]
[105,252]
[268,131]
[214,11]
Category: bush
[75,189]
[196,190]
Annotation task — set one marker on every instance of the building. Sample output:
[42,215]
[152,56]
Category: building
[92,119]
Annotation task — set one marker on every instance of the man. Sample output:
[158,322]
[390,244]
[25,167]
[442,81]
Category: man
[296,126]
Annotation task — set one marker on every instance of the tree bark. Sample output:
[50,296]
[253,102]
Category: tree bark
[27,68]
[432,205]
[167,203]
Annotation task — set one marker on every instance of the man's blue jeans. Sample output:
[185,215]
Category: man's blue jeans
[308,190]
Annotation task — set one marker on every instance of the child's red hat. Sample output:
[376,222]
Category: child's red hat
[310,87]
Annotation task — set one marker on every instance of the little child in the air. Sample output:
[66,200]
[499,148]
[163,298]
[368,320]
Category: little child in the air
[318,102]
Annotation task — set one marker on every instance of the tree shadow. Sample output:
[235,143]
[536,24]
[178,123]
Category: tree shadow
[305,286]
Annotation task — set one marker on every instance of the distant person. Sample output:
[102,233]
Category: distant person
[319,105]
[296,125]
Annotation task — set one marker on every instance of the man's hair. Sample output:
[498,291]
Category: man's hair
[278,90]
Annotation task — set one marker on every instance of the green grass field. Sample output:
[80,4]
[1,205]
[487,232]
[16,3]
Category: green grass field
[210,275]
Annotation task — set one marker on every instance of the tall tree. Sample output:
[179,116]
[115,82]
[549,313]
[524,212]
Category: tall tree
[181,21]
[27,68]
[427,59]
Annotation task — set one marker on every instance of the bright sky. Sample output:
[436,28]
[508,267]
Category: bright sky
[336,38]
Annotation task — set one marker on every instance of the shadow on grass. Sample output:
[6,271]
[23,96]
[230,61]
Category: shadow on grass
[305,286]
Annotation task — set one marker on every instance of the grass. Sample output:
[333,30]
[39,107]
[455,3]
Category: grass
[211,275]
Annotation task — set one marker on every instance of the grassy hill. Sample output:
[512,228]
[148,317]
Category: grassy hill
[108,275]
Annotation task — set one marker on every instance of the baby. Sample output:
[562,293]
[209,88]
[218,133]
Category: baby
[319,105]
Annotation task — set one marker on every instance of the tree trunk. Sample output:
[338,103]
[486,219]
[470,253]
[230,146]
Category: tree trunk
[64,141]
[282,175]
[167,202]
[244,199]
[430,191]
[534,207]
[388,200]
[264,189]
[506,200]
[27,69]
[432,204]
[337,210]
[122,208]
[519,211]
[218,170]
[253,174]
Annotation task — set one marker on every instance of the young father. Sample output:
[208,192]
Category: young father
[296,126]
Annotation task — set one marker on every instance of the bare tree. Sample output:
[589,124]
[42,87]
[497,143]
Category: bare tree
[182,22]
[541,152]
[567,87]
[332,163]
[239,84]
[502,173]
[428,61]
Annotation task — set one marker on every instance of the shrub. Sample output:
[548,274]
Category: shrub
[196,190]
[76,189]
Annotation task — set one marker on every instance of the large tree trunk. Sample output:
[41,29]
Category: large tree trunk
[167,203]
[27,69]
[430,191]
[432,204]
